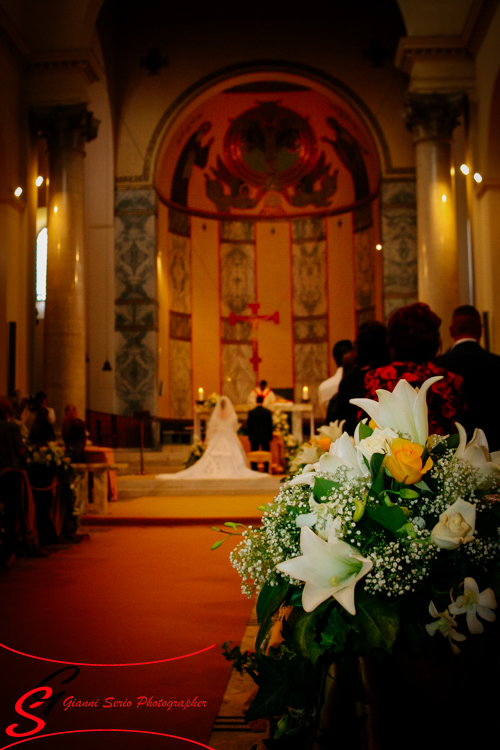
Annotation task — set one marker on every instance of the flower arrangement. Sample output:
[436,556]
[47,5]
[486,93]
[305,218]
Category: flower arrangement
[373,549]
[196,451]
[51,456]
[310,451]
[282,426]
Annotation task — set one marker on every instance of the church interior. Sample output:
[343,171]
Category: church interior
[193,199]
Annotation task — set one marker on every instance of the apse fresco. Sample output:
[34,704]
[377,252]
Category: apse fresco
[269,149]
[250,156]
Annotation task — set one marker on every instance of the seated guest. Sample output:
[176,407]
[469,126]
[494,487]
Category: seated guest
[74,434]
[371,351]
[42,418]
[414,342]
[328,388]
[269,397]
[260,429]
[480,370]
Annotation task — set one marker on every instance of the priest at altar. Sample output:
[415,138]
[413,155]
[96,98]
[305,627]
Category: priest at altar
[269,397]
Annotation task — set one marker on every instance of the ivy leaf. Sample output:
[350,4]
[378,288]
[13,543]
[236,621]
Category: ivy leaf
[391,518]
[335,632]
[323,487]
[282,682]
[364,431]
[376,624]
[304,633]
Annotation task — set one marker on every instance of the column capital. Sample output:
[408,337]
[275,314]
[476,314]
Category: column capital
[65,126]
[432,116]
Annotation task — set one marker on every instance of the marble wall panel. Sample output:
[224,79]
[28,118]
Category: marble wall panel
[399,238]
[179,273]
[135,371]
[237,290]
[180,327]
[364,275]
[237,277]
[136,300]
[310,304]
[238,377]
[309,278]
[181,394]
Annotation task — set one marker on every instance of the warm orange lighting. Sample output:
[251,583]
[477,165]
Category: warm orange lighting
[478,177]
[378,247]
[452,171]
[444,198]
[464,169]
[55,209]
[18,191]
[39,180]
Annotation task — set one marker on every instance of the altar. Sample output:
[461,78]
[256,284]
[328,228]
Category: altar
[298,412]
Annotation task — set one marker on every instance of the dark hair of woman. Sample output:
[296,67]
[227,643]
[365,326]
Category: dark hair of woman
[414,334]
[371,345]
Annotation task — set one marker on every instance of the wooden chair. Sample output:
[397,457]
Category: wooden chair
[261,458]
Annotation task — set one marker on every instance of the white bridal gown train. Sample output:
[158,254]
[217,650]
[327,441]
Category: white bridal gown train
[224,457]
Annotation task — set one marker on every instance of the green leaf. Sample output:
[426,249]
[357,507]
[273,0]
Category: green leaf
[376,624]
[282,682]
[377,472]
[335,632]
[453,441]
[271,602]
[304,633]
[323,487]
[217,544]
[296,597]
[214,528]
[391,518]
[233,525]
[364,431]
[261,507]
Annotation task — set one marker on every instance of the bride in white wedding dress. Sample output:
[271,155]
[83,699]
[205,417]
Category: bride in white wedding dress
[224,457]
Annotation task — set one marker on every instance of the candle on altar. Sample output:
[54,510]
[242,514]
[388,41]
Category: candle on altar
[305,393]
[201,394]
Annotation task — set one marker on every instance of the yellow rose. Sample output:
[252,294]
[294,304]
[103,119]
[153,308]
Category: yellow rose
[405,461]
[325,443]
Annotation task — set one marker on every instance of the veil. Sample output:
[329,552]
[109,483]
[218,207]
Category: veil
[223,418]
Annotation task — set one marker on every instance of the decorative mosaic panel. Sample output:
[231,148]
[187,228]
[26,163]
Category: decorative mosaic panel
[399,238]
[364,275]
[179,293]
[136,313]
[237,290]
[310,304]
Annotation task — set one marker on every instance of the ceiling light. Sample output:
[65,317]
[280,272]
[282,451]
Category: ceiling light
[464,169]
[18,191]
[378,247]
[39,180]
[477,177]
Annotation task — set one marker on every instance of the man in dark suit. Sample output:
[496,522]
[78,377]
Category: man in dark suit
[480,371]
[260,429]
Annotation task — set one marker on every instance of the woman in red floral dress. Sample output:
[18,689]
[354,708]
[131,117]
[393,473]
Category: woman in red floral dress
[414,342]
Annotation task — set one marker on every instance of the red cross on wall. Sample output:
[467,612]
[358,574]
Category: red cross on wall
[254,319]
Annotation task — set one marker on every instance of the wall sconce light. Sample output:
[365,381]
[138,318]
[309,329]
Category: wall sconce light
[107,366]
[18,192]
[464,169]
[477,177]
[39,180]
[378,246]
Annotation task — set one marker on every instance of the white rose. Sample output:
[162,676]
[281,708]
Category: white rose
[377,442]
[456,525]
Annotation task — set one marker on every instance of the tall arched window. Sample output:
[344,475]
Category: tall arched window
[41,271]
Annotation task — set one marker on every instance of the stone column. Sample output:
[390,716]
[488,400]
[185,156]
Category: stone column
[67,129]
[432,118]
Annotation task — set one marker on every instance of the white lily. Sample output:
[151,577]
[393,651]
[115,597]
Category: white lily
[343,453]
[329,568]
[446,626]
[404,410]
[456,525]
[476,452]
[472,603]
[333,431]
